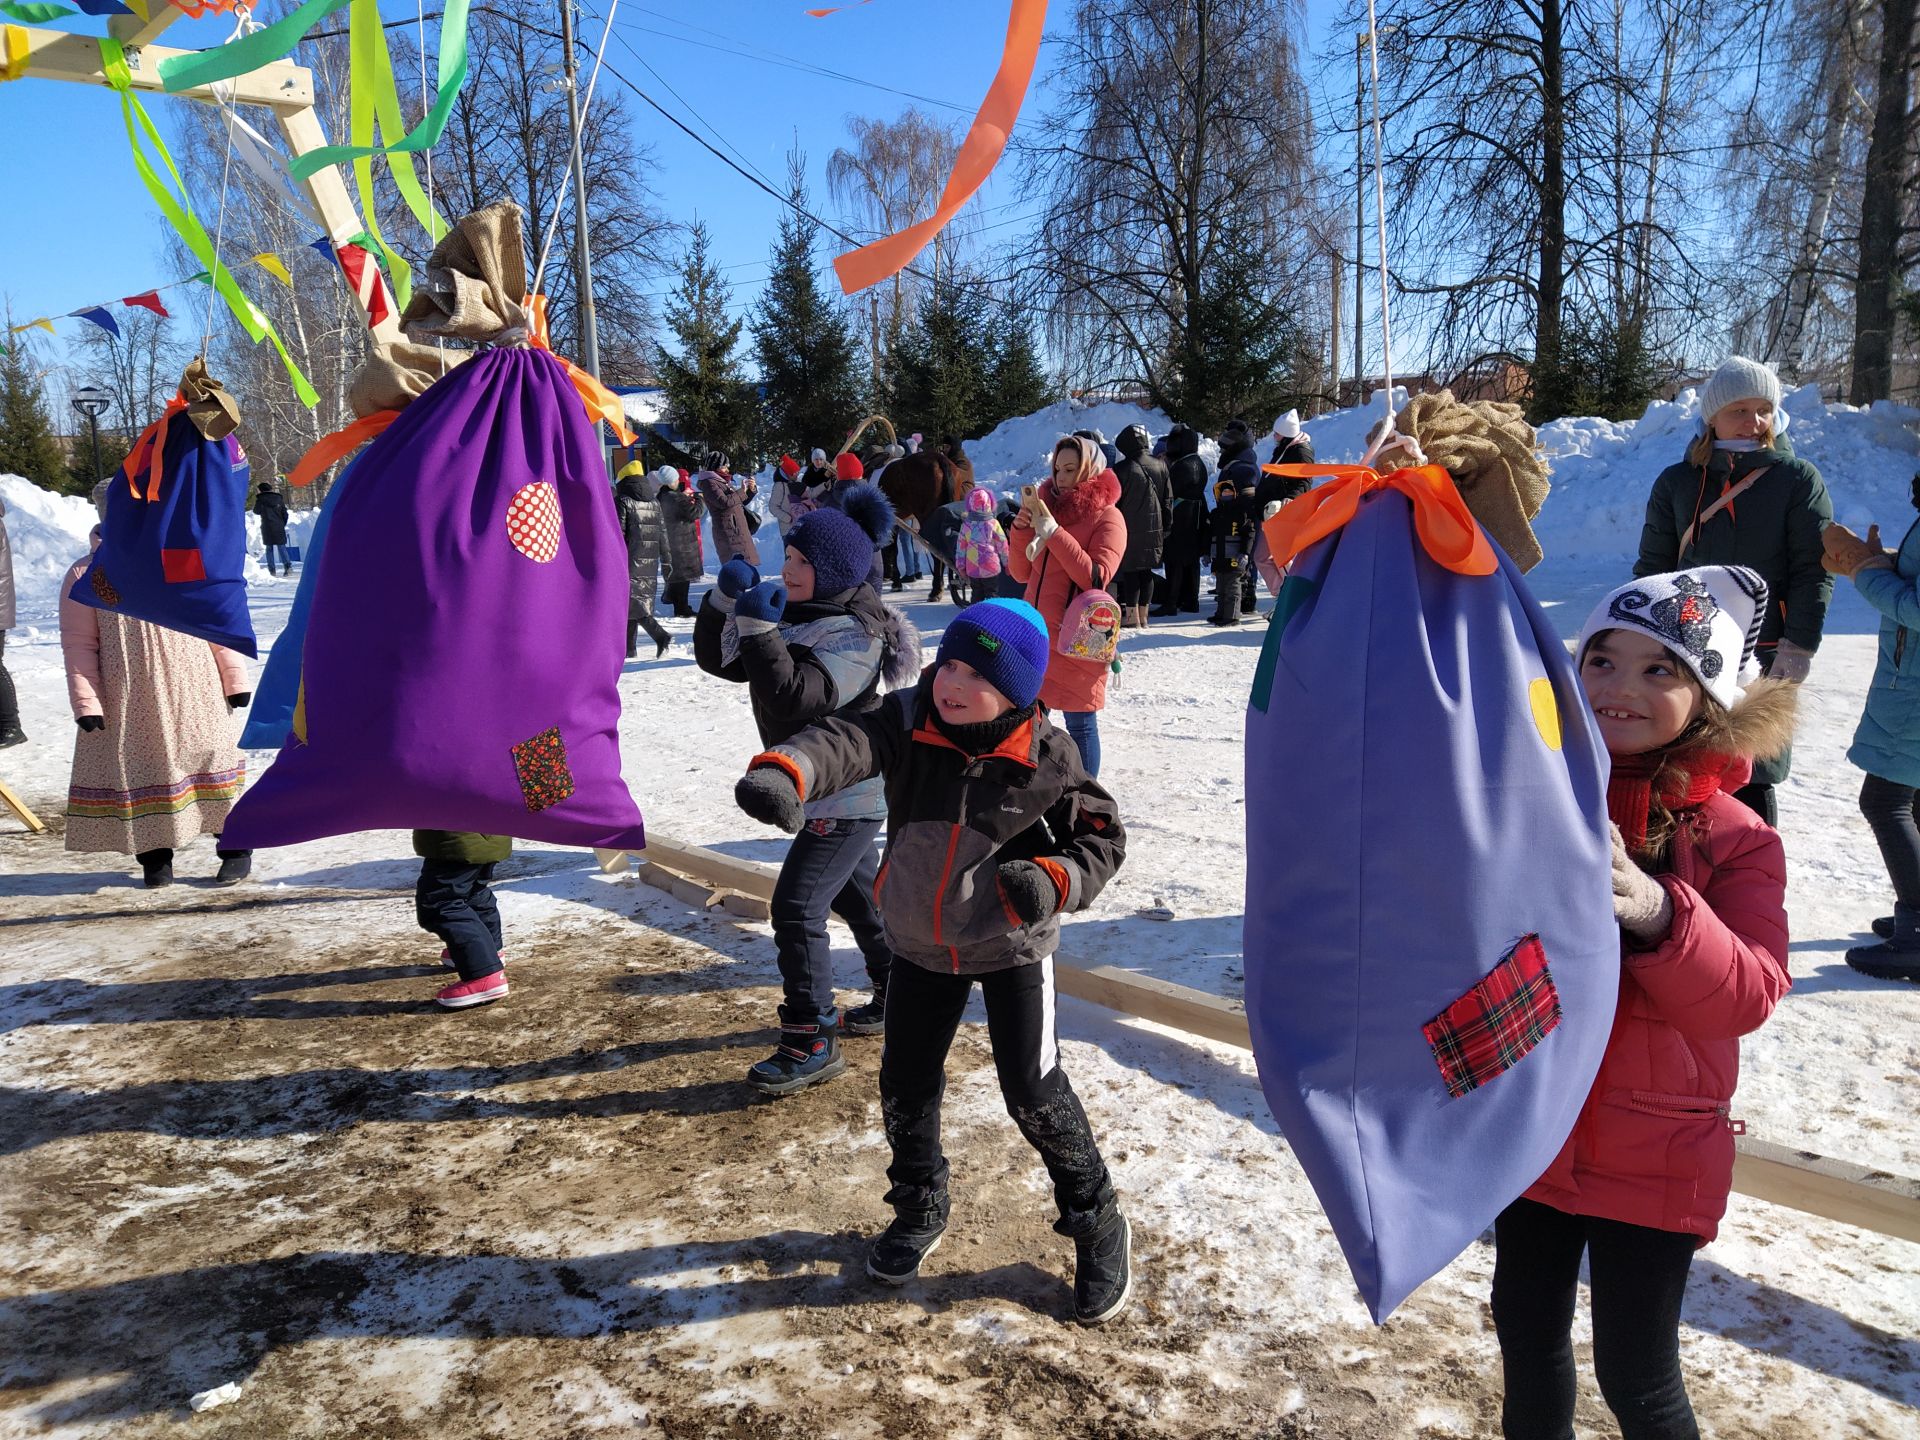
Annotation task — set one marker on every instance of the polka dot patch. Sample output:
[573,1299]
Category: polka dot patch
[533,521]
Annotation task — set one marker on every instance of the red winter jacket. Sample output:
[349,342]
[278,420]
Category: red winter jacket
[1654,1142]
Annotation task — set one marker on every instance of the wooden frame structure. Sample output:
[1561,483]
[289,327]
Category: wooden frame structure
[285,89]
[1875,1200]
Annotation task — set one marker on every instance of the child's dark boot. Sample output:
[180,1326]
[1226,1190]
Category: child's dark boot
[1103,1261]
[808,1055]
[1898,956]
[895,1255]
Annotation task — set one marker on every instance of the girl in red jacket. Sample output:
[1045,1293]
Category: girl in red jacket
[1699,890]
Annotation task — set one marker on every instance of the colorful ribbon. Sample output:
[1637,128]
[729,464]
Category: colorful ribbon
[1441,519]
[150,449]
[330,449]
[985,143]
[601,403]
[14,51]
[173,204]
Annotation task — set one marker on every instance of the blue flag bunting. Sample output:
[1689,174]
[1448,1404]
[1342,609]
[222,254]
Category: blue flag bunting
[99,316]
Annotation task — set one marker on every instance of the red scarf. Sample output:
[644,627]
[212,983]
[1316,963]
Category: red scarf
[1089,497]
[1701,776]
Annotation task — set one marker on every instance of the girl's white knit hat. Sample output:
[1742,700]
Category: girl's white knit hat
[1739,378]
[1709,617]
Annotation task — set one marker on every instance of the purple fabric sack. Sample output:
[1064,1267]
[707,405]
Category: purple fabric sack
[1431,956]
[463,656]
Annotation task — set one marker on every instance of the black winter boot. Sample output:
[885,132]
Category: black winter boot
[156,868]
[895,1255]
[808,1055]
[235,866]
[1103,1261]
[1898,956]
[1883,927]
[867,1019]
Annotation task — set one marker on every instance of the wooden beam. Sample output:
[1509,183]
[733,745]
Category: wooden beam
[56,55]
[330,197]
[131,30]
[35,825]
[1875,1200]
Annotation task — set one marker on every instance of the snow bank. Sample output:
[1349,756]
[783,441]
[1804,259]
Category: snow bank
[49,532]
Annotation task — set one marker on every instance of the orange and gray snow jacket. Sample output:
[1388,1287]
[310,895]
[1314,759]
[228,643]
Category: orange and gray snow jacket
[953,819]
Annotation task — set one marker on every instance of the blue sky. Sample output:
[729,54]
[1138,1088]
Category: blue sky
[82,229]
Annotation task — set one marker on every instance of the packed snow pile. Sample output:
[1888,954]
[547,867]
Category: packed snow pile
[48,532]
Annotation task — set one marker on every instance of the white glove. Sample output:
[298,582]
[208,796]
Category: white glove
[1641,903]
[1791,663]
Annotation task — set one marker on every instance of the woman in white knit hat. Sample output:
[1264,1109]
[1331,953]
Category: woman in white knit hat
[1742,497]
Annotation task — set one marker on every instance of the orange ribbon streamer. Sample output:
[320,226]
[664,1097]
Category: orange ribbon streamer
[601,403]
[148,451]
[986,141]
[1441,519]
[337,446]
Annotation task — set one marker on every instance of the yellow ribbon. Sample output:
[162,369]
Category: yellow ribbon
[273,265]
[13,52]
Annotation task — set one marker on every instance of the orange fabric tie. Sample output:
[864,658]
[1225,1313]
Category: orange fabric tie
[335,447]
[985,143]
[601,403]
[149,449]
[1441,519]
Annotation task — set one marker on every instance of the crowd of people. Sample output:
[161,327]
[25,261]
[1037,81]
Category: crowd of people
[996,825]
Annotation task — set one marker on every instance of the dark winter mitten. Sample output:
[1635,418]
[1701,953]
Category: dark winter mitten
[91,722]
[1641,903]
[760,608]
[238,700]
[737,577]
[768,794]
[1028,890]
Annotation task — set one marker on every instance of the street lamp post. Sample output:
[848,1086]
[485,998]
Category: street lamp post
[93,402]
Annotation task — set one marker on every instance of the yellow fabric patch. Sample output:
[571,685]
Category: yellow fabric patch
[1546,711]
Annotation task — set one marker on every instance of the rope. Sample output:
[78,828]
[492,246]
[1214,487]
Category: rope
[420,18]
[560,200]
[1386,433]
[243,24]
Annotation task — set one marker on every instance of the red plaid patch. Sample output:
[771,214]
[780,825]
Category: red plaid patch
[1490,1029]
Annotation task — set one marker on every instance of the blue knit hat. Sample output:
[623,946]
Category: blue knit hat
[839,542]
[1005,641]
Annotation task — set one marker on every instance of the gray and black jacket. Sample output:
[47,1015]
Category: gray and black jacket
[953,819]
[826,657]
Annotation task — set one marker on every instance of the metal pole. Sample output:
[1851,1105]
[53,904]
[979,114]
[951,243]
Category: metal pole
[93,424]
[1339,274]
[582,263]
[1359,219]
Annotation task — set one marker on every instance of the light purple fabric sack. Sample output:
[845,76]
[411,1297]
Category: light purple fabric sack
[462,660]
[1431,956]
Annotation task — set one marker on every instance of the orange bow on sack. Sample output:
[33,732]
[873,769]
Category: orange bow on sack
[337,446]
[601,403]
[148,450]
[1441,519]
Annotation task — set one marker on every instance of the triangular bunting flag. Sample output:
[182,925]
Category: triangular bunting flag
[275,267]
[99,316]
[147,301]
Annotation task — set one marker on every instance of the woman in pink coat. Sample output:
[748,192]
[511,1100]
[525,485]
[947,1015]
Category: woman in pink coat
[155,762]
[1699,884]
[1069,538]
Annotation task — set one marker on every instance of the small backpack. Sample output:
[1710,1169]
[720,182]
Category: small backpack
[1090,630]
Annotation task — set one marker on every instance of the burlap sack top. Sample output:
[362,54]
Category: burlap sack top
[1489,449]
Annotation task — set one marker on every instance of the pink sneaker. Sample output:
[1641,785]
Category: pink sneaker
[465,993]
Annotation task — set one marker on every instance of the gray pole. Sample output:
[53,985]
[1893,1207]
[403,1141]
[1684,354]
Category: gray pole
[582,263]
[93,424]
[1359,220]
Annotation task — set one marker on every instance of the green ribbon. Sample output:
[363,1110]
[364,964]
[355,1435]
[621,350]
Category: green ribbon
[33,12]
[173,204]
[249,52]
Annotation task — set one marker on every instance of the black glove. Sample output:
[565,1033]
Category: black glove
[1028,891]
[238,701]
[768,794]
[91,722]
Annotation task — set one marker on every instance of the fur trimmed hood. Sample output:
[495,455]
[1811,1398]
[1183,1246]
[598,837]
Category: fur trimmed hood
[1759,728]
[1089,497]
[900,658]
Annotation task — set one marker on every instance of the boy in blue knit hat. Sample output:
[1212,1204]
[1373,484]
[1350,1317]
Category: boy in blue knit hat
[994,830]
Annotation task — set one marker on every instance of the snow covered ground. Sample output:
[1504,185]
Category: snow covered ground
[238,1146]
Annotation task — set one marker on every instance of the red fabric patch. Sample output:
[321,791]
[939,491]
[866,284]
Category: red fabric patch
[533,521]
[1490,1029]
[541,765]
[180,566]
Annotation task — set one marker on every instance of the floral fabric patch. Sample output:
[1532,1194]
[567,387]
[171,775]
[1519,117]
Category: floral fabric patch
[103,587]
[1490,1029]
[533,521]
[541,765]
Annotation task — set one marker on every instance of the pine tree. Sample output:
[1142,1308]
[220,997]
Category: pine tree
[809,372]
[27,444]
[1017,383]
[941,366]
[708,399]
[1242,349]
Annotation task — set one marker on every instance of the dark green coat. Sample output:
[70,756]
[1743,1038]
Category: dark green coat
[1773,528]
[468,847]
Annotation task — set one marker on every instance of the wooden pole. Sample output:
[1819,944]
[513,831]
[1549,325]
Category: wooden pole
[1875,1200]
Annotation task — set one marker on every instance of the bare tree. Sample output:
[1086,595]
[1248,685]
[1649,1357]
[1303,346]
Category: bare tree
[139,367]
[1181,136]
[891,177]
[1886,211]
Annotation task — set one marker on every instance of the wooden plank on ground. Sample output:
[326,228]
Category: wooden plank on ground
[1875,1200]
[19,807]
